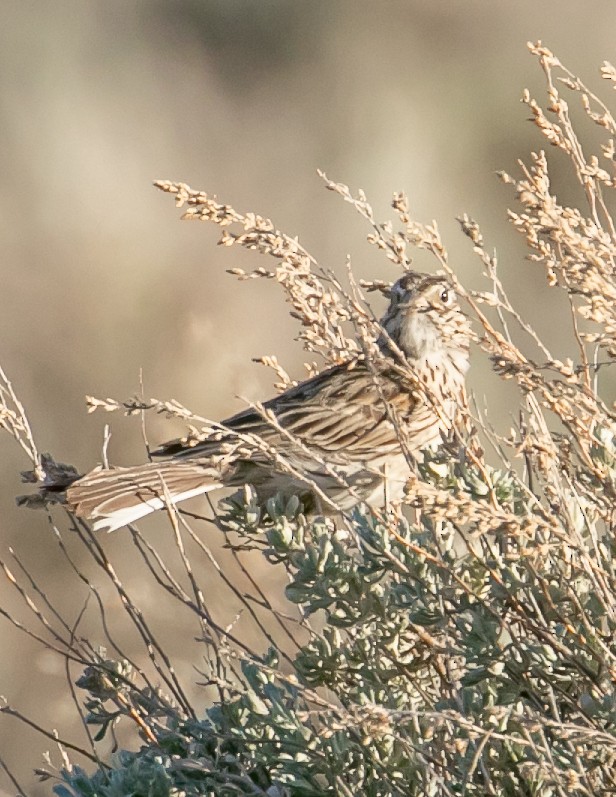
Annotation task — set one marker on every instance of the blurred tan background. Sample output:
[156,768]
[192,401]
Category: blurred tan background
[244,99]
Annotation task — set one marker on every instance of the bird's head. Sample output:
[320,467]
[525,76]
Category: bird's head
[424,319]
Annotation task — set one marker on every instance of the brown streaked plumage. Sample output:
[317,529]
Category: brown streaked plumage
[363,419]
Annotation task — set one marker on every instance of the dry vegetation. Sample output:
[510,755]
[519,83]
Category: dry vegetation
[463,647]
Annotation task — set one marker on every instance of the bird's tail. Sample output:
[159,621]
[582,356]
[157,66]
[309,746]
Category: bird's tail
[115,497]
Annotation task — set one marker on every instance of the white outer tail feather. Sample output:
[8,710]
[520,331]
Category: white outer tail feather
[122,517]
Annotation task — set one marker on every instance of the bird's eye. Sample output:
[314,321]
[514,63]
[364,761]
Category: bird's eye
[445,296]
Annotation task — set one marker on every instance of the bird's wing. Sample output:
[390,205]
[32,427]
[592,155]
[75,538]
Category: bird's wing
[344,413]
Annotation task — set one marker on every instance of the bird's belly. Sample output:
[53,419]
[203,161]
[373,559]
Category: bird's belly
[376,484]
